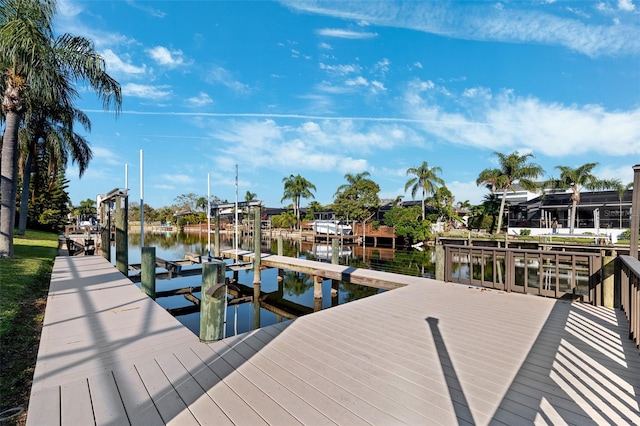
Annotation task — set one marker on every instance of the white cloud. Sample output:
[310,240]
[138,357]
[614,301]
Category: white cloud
[115,64]
[69,8]
[623,173]
[358,81]
[105,155]
[146,91]
[219,75]
[506,121]
[166,57]
[178,179]
[382,66]
[626,5]
[326,145]
[463,191]
[340,69]
[352,35]
[483,21]
[201,100]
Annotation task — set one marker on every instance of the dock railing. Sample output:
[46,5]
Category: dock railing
[542,272]
[578,275]
[630,294]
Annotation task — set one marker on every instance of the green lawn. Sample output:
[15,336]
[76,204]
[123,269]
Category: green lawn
[24,283]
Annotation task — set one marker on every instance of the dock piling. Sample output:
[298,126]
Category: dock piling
[212,301]
[148,273]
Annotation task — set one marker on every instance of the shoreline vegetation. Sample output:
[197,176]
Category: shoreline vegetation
[24,285]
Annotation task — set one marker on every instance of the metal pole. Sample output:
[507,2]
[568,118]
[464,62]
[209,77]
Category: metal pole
[209,215]
[141,199]
[236,216]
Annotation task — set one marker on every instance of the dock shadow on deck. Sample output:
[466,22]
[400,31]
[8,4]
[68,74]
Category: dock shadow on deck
[427,353]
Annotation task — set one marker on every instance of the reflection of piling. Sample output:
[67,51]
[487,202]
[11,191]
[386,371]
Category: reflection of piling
[334,251]
[148,273]
[257,250]
[335,287]
[212,301]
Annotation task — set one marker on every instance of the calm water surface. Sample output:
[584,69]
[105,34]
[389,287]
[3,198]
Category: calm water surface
[294,292]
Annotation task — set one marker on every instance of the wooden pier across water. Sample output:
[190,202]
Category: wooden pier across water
[425,353]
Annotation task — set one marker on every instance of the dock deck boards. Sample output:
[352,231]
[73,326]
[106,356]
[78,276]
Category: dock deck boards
[426,353]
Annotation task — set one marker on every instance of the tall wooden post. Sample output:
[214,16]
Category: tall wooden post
[280,246]
[122,239]
[148,274]
[335,251]
[635,212]
[608,280]
[105,230]
[212,301]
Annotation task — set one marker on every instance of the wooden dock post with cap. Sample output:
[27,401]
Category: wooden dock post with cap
[212,301]
[148,273]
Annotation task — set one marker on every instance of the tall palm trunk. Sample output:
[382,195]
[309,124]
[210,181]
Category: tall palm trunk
[502,202]
[574,209]
[8,185]
[575,198]
[24,197]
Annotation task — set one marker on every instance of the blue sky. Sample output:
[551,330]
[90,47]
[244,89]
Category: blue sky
[322,89]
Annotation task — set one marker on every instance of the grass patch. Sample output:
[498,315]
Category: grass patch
[24,284]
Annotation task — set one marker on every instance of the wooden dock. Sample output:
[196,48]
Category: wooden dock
[426,353]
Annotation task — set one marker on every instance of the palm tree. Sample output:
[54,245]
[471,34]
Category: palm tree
[621,190]
[514,168]
[357,199]
[491,207]
[295,188]
[39,66]
[576,179]
[250,196]
[352,180]
[425,179]
[48,133]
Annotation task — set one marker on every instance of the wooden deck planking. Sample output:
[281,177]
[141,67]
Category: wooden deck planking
[321,402]
[428,353]
[300,410]
[254,397]
[234,407]
[383,391]
[357,404]
[101,323]
[203,408]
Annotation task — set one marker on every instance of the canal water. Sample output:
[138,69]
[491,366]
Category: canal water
[294,293]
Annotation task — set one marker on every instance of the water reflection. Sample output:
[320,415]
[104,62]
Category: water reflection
[283,296]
